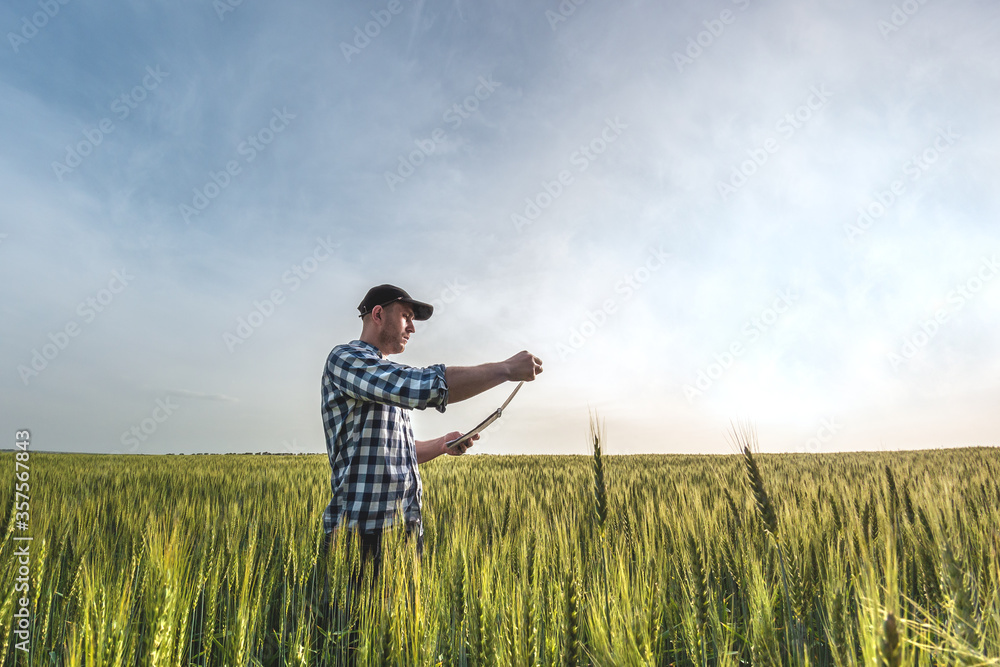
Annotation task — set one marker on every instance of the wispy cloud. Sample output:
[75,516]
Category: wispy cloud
[746,166]
[183,393]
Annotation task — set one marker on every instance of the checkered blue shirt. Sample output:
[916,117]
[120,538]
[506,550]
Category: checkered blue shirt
[366,414]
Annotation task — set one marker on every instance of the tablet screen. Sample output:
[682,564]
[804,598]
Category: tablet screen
[465,438]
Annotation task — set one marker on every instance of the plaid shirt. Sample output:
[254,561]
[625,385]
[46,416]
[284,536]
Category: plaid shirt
[366,414]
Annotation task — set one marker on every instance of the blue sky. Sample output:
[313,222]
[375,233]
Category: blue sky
[692,212]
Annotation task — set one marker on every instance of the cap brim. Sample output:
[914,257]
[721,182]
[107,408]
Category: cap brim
[421,310]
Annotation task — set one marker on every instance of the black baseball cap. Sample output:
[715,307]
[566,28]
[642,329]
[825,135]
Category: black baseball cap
[383,295]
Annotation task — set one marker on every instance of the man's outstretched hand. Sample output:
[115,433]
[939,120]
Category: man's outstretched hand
[523,366]
[461,449]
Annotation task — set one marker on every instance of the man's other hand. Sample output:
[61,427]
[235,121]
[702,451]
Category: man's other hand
[461,449]
[523,366]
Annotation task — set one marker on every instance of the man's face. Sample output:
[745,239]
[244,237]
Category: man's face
[397,325]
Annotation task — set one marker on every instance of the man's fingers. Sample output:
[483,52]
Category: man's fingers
[531,364]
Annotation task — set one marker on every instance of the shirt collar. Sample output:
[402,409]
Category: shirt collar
[361,343]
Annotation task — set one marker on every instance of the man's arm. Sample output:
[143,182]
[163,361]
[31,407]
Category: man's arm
[428,450]
[365,377]
[467,381]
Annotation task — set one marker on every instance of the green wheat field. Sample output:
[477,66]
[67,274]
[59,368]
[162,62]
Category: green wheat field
[747,559]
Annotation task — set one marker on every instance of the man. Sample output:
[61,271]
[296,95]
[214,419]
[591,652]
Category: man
[366,414]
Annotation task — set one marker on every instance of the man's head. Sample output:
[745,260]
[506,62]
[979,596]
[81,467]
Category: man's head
[387,316]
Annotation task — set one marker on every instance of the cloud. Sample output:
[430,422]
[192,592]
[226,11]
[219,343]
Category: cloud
[801,169]
[183,393]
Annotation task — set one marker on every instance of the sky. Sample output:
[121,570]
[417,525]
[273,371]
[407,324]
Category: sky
[693,212]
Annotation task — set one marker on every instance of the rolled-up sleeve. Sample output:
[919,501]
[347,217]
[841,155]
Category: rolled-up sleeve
[370,378]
